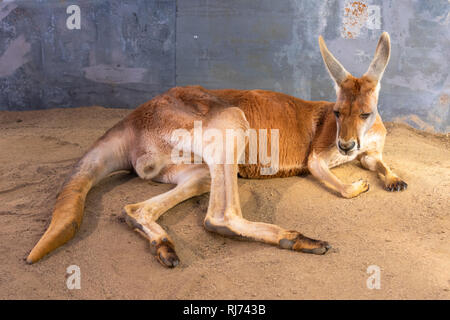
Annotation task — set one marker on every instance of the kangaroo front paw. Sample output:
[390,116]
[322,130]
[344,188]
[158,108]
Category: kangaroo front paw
[355,189]
[395,184]
[298,242]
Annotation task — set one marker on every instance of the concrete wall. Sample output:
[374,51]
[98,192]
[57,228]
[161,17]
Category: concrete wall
[128,51]
[123,55]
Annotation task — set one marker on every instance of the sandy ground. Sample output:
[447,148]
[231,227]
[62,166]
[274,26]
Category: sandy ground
[406,234]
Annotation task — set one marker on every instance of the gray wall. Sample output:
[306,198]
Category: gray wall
[128,51]
[123,55]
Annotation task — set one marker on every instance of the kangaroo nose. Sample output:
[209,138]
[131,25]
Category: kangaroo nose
[346,146]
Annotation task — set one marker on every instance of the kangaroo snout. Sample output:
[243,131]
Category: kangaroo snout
[346,147]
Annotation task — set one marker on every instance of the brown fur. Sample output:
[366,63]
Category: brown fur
[262,109]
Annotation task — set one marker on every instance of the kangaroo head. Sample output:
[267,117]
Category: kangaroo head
[356,103]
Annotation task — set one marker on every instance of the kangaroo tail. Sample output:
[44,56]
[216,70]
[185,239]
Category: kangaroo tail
[110,153]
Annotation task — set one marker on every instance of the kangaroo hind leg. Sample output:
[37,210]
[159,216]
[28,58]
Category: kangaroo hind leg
[224,217]
[191,181]
[224,214]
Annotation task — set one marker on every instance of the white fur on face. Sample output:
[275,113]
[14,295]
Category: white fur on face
[369,122]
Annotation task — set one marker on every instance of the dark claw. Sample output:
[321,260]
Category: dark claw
[167,257]
[304,244]
[321,250]
[397,186]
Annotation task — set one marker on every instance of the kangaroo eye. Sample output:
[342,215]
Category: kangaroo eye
[365,115]
[337,114]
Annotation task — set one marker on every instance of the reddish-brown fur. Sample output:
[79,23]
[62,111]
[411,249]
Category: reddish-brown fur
[313,136]
[297,120]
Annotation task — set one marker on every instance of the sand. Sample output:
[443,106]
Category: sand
[406,234]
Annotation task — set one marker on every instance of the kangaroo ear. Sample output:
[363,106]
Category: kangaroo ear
[381,58]
[336,70]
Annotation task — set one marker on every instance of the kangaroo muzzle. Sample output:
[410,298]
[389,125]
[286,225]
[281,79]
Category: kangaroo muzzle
[347,146]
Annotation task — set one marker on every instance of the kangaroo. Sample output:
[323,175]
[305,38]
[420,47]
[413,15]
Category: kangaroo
[314,136]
